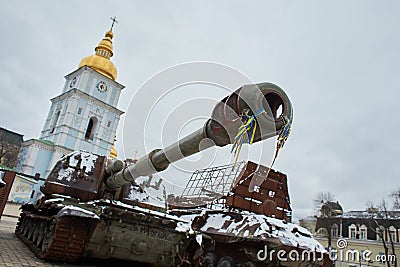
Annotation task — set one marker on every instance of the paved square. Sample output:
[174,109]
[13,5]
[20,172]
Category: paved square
[13,252]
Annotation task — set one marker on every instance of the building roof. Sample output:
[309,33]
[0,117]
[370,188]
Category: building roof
[10,136]
[5,168]
[392,214]
[332,206]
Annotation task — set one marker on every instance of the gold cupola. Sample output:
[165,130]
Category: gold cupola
[100,61]
[113,152]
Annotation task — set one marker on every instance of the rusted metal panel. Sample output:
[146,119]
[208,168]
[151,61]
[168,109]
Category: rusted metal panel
[271,197]
[8,178]
[72,177]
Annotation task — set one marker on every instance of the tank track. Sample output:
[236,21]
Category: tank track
[56,239]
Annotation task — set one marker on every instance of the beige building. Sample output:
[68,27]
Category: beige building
[358,252]
[357,238]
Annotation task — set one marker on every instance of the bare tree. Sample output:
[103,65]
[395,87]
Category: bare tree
[396,199]
[10,144]
[380,224]
[321,199]
[324,197]
[8,153]
[371,205]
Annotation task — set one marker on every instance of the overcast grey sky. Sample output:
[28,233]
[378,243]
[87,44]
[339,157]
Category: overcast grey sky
[338,61]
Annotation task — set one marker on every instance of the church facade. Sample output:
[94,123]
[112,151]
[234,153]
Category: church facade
[83,117]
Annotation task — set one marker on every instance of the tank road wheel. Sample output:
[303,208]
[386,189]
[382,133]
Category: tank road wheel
[25,226]
[48,230]
[226,261]
[210,260]
[21,224]
[36,231]
[39,233]
[32,227]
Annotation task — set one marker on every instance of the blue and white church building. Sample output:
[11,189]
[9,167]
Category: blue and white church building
[83,117]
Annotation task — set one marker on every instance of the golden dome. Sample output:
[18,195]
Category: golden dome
[113,153]
[100,61]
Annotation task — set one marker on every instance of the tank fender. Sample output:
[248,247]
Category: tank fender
[77,212]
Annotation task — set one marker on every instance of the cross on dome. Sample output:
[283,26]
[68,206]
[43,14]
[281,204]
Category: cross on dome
[114,20]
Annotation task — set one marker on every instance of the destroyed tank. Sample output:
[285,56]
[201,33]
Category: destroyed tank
[85,211]
[251,227]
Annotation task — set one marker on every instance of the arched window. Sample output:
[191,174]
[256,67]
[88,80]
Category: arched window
[53,126]
[392,233]
[363,232]
[334,230]
[91,128]
[380,232]
[352,231]
[322,232]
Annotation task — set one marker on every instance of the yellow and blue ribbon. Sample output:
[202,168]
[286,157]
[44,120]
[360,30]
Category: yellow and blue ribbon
[249,125]
[282,138]
[284,134]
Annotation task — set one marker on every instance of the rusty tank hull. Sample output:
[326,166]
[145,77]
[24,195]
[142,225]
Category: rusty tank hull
[249,239]
[248,227]
[63,228]
[72,222]
[58,229]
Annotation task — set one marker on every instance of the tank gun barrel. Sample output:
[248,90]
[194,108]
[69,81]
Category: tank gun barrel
[262,102]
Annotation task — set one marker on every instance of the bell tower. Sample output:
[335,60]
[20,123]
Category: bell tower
[84,116]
